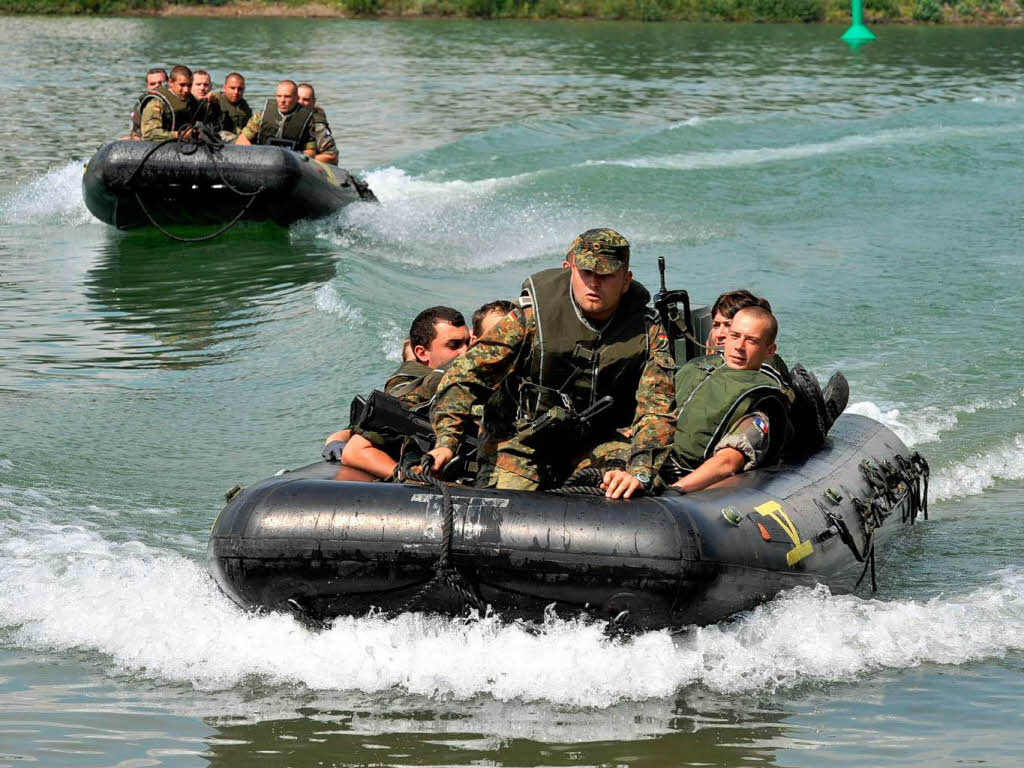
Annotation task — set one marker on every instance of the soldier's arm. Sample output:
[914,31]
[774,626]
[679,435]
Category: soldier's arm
[655,420]
[153,122]
[251,131]
[326,149]
[475,375]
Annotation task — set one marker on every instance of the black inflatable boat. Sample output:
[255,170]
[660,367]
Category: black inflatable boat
[304,542]
[133,184]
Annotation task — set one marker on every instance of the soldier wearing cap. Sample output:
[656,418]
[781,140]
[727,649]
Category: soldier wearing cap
[577,335]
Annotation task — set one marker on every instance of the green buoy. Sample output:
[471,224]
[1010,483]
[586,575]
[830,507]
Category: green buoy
[857,34]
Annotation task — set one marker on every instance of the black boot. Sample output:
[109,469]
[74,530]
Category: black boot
[837,395]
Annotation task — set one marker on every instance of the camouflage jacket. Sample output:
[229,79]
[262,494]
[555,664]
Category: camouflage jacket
[504,353]
[325,144]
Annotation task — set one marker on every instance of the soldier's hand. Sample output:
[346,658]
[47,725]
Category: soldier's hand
[618,483]
[441,456]
[332,451]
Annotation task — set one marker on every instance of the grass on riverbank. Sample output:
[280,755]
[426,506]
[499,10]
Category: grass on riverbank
[937,11]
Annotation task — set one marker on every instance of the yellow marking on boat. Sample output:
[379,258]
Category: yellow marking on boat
[801,549]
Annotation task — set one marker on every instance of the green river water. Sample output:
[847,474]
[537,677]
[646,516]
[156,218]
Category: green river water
[876,198]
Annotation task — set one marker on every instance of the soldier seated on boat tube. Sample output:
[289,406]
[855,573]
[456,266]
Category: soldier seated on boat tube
[437,336]
[733,407]
[283,122]
[585,364]
[234,111]
[207,105]
[326,149]
[155,77]
[168,112]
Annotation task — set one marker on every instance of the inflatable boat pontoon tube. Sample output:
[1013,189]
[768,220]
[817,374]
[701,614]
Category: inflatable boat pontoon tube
[306,543]
[184,183]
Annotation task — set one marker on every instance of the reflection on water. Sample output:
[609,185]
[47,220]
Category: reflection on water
[190,300]
[693,730]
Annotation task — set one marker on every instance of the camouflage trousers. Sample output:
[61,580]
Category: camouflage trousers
[517,467]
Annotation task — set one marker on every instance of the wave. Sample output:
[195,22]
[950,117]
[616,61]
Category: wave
[154,612]
[738,158]
[327,299]
[925,425]
[55,198]
[980,472]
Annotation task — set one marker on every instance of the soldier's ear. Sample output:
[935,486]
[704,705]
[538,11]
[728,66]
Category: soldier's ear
[626,280]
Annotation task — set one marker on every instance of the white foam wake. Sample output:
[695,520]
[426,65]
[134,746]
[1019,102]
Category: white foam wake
[736,158]
[926,424]
[55,198]
[980,472]
[455,224]
[157,613]
[327,299]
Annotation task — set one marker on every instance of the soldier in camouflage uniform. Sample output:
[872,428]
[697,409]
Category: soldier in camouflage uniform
[733,408]
[438,335]
[326,149]
[284,122]
[168,111]
[577,335]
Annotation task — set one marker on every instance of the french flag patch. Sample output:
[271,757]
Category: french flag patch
[761,424]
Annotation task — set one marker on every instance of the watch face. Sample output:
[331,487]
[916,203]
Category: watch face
[643,477]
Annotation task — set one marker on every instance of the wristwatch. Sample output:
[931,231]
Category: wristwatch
[644,478]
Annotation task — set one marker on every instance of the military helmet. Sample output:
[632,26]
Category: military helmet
[601,250]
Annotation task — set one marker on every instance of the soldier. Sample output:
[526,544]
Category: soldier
[722,311]
[154,79]
[326,149]
[487,317]
[286,123]
[734,410]
[438,335]
[579,334]
[234,110]
[206,100]
[169,110]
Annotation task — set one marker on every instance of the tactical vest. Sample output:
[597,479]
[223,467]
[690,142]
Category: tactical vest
[174,112]
[292,127]
[406,378]
[233,117]
[574,364]
[712,397]
[136,117]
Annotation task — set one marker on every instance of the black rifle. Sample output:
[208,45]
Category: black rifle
[381,411]
[678,325]
[564,423]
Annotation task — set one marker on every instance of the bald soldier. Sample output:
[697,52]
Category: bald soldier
[733,408]
[234,110]
[283,123]
[326,149]
[169,110]
[579,336]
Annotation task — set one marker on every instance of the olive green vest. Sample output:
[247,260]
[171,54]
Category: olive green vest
[406,378]
[573,362]
[174,111]
[233,117]
[293,127]
[712,397]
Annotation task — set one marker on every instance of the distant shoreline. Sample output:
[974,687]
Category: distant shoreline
[952,12]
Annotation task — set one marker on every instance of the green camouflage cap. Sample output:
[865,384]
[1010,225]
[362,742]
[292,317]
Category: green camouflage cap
[599,250]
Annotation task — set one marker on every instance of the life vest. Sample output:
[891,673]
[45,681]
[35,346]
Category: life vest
[712,397]
[174,111]
[233,117]
[573,363]
[292,128]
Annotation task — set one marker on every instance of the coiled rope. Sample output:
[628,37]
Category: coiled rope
[200,136]
[446,575]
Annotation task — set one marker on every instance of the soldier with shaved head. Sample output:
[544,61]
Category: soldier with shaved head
[283,122]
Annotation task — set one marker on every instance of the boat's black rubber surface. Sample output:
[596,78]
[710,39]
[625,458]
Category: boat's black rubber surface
[304,542]
[185,183]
